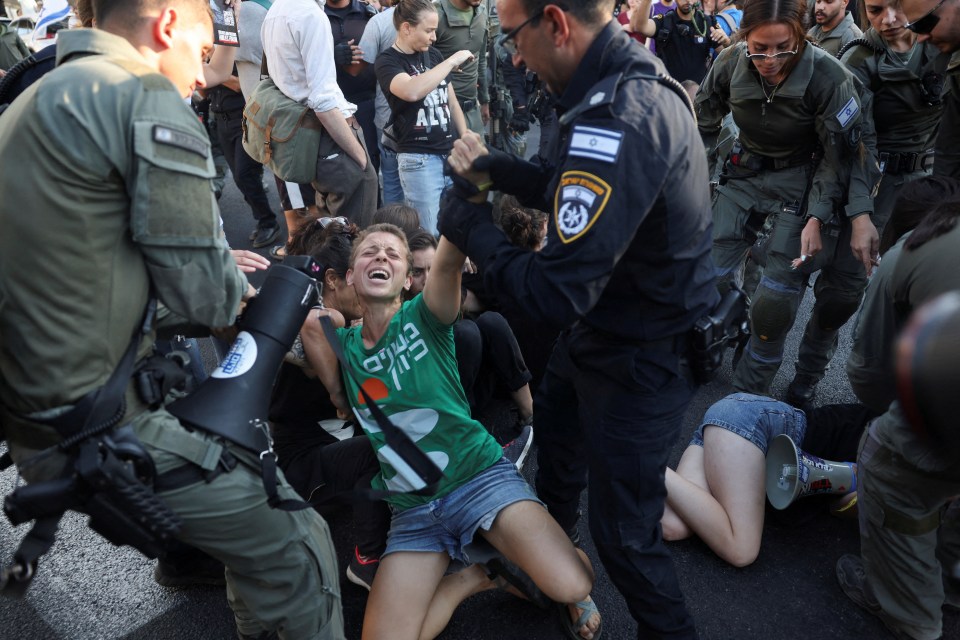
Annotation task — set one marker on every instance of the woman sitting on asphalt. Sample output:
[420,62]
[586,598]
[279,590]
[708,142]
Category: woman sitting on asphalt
[404,357]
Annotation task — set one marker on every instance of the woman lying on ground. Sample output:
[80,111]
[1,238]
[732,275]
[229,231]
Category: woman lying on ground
[718,490]
[404,357]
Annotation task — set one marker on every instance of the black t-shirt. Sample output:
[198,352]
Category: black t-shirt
[834,431]
[684,45]
[424,126]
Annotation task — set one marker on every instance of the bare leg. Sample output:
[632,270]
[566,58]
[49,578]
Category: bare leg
[403,590]
[691,470]
[453,589]
[728,514]
[526,534]
[296,218]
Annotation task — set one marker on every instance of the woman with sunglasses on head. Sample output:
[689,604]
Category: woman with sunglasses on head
[799,159]
[900,73]
[313,444]
[425,115]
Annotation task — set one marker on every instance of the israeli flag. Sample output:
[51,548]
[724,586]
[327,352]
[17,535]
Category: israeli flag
[595,143]
[53,11]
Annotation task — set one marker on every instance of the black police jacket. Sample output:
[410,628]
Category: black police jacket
[628,249]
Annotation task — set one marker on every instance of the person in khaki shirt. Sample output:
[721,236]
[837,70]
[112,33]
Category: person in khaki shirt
[835,26]
[112,188]
[463,25]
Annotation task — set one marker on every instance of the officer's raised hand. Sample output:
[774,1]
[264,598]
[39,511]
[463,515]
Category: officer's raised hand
[465,150]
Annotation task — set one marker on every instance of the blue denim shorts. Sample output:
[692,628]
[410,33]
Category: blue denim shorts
[449,523]
[757,418]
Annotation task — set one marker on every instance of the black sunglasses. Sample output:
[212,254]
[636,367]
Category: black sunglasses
[926,24]
[508,41]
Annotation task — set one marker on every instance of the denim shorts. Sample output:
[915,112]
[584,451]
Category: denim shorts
[449,523]
[757,418]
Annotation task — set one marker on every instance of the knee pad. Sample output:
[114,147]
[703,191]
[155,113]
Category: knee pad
[771,315]
[834,307]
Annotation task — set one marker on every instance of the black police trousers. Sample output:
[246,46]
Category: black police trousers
[247,172]
[615,410]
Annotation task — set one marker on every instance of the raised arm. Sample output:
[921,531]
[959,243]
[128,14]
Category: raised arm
[416,88]
[640,21]
[442,291]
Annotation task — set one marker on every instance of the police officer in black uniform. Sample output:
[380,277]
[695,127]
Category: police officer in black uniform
[626,270]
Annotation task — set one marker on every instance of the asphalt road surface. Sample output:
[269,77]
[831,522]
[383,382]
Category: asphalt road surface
[87,589]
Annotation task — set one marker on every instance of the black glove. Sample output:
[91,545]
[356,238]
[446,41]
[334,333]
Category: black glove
[512,174]
[520,122]
[458,217]
[342,54]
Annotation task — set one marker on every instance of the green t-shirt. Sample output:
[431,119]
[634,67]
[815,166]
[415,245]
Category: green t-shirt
[412,375]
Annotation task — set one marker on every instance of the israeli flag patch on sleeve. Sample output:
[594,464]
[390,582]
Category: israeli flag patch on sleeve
[595,143]
[848,112]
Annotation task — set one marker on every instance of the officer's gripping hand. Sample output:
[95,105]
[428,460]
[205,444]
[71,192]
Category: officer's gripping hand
[865,242]
[465,152]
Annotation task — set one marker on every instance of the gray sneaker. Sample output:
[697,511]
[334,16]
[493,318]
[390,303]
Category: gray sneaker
[517,449]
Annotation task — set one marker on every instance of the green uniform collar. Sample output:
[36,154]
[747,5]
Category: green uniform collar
[83,42]
[459,17]
[836,32]
[745,81]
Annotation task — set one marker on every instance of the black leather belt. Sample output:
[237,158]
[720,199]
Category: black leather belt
[898,163]
[756,162]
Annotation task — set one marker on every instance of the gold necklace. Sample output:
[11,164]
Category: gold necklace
[769,96]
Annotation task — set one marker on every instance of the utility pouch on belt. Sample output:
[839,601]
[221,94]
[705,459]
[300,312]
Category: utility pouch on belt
[728,323]
[108,476]
[281,133]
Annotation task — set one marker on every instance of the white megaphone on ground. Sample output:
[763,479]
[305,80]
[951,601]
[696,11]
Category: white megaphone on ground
[792,473]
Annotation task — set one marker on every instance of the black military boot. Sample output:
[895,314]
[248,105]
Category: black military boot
[802,391]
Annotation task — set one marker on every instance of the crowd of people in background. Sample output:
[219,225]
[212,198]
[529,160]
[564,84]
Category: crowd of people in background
[830,133]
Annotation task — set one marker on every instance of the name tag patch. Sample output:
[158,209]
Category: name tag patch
[596,144]
[181,140]
[848,112]
[579,201]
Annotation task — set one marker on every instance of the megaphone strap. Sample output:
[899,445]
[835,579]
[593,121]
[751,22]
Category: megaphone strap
[419,462]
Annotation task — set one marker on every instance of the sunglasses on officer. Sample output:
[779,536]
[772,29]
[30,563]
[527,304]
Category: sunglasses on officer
[779,55]
[924,25]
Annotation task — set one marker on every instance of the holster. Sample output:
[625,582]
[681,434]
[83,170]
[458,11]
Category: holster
[728,323]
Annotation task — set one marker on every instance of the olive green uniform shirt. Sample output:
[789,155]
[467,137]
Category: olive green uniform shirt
[903,116]
[835,39]
[947,149]
[106,192]
[456,32]
[916,277]
[819,96]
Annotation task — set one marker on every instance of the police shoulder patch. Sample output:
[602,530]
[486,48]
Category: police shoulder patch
[848,112]
[180,139]
[579,201]
[595,143]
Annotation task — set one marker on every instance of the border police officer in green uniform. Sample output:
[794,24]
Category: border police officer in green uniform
[789,98]
[110,200]
[463,25]
[899,72]
[909,535]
